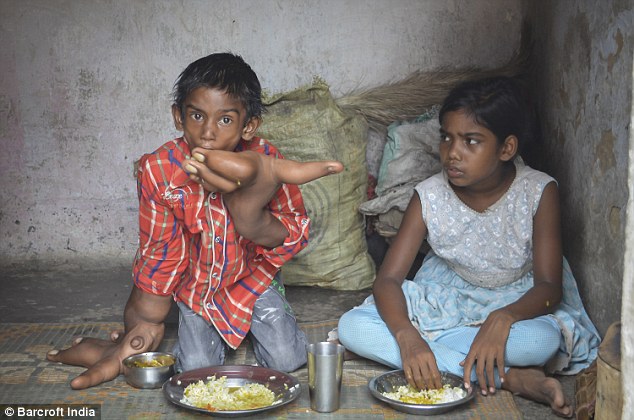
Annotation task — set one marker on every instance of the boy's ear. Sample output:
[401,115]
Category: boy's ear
[178,117]
[509,148]
[251,127]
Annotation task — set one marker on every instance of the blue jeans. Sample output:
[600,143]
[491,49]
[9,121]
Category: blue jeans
[277,341]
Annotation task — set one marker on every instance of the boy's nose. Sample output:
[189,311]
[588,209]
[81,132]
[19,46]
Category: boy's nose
[208,132]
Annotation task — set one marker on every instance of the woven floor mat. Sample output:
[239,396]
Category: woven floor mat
[26,377]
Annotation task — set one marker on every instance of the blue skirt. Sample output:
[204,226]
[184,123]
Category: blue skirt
[438,300]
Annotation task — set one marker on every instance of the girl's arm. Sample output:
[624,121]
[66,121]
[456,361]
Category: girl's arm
[419,363]
[490,342]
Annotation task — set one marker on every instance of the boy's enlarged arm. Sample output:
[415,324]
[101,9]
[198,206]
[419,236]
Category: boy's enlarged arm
[103,359]
[145,311]
[249,181]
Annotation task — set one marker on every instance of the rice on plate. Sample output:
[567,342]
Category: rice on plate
[410,395]
[216,395]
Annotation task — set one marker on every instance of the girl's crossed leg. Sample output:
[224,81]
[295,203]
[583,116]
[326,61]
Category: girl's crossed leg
[530,345]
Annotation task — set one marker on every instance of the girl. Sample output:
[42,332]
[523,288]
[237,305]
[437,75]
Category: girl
[494,301]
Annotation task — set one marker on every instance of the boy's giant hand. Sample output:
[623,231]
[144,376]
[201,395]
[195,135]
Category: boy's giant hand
[103,359]
[225,172]
[248,181]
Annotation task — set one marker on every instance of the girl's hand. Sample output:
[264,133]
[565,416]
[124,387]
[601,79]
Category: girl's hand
[487,351]
[419,363]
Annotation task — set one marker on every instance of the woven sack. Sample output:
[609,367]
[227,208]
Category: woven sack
[307,125]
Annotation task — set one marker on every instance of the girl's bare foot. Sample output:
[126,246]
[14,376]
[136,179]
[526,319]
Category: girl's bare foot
[533,384]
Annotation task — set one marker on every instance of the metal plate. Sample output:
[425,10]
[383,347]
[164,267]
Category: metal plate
[282,384]
[388,382]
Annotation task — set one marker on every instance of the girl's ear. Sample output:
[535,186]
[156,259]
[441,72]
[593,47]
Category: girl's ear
[178,117]
[251,127]
[509,148]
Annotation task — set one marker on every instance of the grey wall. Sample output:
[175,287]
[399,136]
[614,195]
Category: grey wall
[584,69]
[84,91]
[583,76]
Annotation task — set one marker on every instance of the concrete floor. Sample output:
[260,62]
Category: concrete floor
[99,295]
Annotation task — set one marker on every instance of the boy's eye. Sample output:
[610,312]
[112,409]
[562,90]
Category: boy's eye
[444,137]
[225,120]
[471,141]
[197,116]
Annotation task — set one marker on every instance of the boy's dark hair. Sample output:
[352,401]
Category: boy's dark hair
[224,71]
[497,103]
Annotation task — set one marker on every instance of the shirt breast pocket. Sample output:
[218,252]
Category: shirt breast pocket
[185,206]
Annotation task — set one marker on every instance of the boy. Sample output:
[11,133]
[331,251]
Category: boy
[216,222]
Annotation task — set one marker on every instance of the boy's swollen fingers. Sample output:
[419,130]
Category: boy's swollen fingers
[104,371]
[293,172]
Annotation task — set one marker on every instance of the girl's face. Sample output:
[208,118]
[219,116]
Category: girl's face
[470,153]
[213,120]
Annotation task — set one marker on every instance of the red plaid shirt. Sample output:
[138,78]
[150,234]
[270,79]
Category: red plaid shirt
[188,245]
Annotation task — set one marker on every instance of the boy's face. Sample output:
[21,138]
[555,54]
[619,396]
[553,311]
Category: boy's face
[213,120]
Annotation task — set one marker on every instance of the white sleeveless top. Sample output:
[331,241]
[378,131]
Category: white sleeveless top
[488,249]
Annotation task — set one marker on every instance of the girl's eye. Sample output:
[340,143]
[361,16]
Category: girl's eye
[197,117]
[444,138]
[471,141]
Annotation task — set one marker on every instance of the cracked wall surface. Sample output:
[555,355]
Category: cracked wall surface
[583,79]
[85,90]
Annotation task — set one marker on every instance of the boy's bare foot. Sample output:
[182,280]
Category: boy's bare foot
[533,384]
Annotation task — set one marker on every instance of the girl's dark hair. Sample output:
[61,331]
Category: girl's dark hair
[223,71]
[497,103]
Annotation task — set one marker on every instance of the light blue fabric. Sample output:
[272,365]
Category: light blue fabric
[531,342]
[490,248]
[438,300]
[482,261]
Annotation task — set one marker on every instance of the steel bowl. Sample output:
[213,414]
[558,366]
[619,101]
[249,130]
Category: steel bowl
[285,386]
[390,381]
[140,372]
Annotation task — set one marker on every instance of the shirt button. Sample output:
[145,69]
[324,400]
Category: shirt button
[304,221]
[213,195]
[217,239]
[209,306]
[214,275]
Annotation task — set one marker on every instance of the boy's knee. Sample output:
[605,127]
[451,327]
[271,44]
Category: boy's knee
[189,361]
[286,362]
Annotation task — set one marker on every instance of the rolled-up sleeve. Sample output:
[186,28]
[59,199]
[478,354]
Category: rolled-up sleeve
[288,207]
[161,256]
